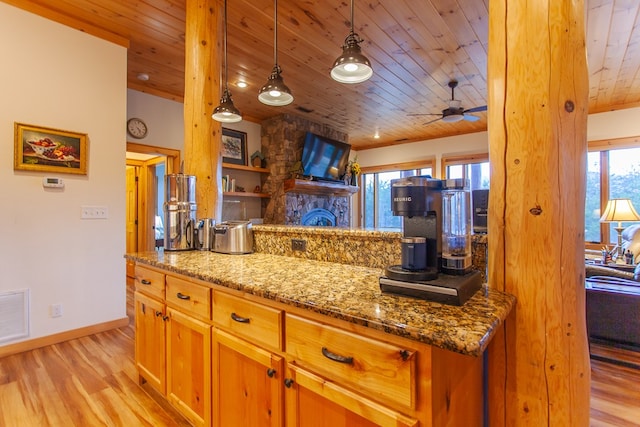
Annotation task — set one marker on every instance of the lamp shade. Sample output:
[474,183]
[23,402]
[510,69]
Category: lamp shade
[352,66]
[226,112]
[619,210]
[275,92]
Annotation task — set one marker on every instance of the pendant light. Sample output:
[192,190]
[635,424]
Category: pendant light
[352,66]
[275,92]
[226,112]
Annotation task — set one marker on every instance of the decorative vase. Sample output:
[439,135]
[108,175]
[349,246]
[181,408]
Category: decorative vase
[354,179]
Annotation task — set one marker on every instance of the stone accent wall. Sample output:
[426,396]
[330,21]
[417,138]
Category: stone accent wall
[282,141]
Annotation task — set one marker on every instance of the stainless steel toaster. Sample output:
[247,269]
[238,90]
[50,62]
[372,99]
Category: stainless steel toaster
[233,237]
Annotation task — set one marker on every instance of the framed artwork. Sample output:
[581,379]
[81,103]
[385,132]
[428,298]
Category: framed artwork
[234,147]
[43,149]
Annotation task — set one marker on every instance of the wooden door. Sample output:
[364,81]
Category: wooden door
[150,341]
[189,367]
[132,209]
[313,401]
[248,384]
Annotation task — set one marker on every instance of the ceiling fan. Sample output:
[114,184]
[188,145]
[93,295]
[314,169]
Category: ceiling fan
[454,113]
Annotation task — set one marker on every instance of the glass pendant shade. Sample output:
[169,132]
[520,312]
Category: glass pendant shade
[275,92]
[226,112]
[352,66]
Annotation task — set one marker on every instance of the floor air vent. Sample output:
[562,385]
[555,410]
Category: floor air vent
[14,315]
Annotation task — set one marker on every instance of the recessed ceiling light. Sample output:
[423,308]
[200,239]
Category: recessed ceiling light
[376,135]
[143,76]
[242,84]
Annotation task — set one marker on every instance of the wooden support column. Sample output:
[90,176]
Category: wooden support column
[202,91]
[539,373]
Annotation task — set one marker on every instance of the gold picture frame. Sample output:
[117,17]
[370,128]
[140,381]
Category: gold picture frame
[43,149]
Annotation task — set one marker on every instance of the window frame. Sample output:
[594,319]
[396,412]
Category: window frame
[604,146]
[464,159]
[416,165]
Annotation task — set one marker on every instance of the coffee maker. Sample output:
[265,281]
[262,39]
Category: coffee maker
[436,212]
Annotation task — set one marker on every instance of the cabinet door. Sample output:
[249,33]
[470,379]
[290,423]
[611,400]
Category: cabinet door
[247,385]
[189,367]
[150,340]
[313,401]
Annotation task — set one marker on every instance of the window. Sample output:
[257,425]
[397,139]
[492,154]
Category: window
[613,171]
[376,203]
[475,168]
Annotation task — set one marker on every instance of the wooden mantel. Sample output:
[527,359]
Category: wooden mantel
[324,188]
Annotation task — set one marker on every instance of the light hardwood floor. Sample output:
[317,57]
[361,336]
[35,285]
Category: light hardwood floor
[92,381]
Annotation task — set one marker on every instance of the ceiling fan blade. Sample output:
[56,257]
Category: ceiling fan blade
[470,118]
[424,114]
[476,109]
[431,121]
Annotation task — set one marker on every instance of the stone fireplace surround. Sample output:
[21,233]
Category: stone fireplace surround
[282,141]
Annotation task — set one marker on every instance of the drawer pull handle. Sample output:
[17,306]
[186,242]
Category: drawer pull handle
[404,354]
[240,319]
[183,296]
[271,372]
[158,313]
[145,282]
[288,382]
[336,357]
[165,318]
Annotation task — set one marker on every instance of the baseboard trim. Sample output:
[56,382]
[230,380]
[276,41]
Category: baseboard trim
[22,346]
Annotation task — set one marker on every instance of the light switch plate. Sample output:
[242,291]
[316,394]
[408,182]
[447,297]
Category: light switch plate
[94,212]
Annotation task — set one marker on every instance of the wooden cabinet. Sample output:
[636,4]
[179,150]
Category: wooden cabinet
[313,401]
[354,380]
[150,320]
[227,359]
[189,367]
[248,383]
[173,341]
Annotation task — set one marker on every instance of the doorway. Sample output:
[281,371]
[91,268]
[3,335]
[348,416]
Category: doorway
[146,166]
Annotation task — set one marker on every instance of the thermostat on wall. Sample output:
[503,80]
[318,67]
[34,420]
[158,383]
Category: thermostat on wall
[52,182]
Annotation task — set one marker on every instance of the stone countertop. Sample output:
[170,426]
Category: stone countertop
[345,292]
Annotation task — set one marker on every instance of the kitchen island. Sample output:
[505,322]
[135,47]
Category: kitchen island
[322,335]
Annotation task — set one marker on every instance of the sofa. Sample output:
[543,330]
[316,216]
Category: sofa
[613,296]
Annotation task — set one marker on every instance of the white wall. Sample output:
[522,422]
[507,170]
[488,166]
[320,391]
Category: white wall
[609,125]
[165,120]
[58,77]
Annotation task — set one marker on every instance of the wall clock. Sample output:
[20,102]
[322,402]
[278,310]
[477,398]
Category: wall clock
[137,128]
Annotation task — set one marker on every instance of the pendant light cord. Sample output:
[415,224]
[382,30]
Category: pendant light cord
[275,33]
[226,63]
[352,31]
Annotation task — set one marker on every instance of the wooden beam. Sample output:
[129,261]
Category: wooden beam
[202,135]
[538,97]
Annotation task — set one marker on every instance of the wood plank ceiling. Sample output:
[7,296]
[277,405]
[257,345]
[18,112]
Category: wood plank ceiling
[416,48]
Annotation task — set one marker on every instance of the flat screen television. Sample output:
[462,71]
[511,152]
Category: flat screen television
[324,158]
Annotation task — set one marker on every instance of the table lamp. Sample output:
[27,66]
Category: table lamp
[619,210]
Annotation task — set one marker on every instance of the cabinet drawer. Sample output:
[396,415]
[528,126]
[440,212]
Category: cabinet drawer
[255,322]
[189,297]
[149,281]
[380,370]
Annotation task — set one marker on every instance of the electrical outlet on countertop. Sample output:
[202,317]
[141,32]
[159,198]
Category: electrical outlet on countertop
[298,245]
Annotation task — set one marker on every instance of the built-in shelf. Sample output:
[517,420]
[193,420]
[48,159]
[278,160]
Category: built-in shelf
[244,168]
[319,187]
[245,194]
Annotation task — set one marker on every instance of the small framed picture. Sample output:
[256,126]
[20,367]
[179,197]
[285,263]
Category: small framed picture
[234,147]
[44,149]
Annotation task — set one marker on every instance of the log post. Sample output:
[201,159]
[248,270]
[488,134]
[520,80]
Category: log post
[202,134]
[539,373]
